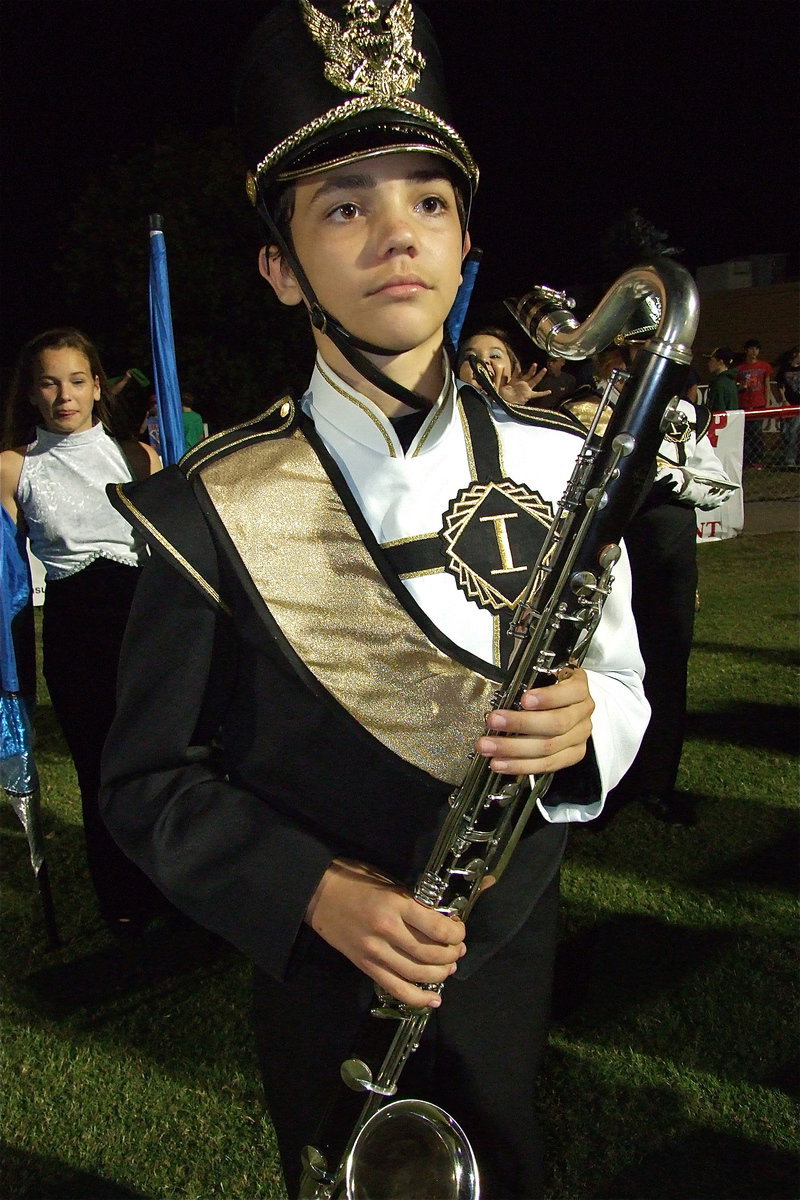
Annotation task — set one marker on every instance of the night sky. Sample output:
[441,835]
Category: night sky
[575,110]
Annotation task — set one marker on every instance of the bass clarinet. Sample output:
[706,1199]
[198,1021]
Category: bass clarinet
[398,1149]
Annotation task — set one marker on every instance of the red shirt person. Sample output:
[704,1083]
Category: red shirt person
[752,378]
[753,382]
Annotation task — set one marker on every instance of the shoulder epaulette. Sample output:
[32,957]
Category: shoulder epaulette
[165,508]
[681,425]
[704,417]
[582,407]
[165,513]
[278,420]
[546,418]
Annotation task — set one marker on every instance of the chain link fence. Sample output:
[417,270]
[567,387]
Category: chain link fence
[771,468]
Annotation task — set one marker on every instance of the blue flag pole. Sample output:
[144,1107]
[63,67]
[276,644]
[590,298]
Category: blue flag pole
[455,319]
[162,342]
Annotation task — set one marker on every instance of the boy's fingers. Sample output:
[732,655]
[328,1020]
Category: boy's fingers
[444,931]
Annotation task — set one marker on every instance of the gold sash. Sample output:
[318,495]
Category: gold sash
[322,587]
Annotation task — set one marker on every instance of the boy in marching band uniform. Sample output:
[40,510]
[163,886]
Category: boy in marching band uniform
[347,566]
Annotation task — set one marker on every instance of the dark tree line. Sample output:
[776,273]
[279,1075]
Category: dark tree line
[236,347]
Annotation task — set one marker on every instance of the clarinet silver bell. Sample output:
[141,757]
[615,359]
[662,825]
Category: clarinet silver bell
[411,1148]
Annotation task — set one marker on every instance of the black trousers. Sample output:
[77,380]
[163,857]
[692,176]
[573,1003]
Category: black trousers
[662,544]
[478,1059]
[83,623]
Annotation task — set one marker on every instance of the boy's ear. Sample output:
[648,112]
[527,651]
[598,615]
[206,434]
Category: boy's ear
[465,249]
[279,275]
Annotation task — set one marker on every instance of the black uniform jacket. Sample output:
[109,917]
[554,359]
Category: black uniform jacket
[232,775]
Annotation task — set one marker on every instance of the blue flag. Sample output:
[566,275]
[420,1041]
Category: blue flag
[18,775]
[455,319]
[162,342]
[14,595]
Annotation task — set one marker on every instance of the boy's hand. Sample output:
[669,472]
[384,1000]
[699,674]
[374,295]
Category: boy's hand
[549,733]
[385,932]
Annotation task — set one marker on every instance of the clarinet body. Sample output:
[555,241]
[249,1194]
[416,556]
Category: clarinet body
[403,1148]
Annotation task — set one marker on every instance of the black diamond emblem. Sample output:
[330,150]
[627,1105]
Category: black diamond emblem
[492,535]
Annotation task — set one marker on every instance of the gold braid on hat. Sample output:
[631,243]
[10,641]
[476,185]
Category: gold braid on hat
[372,55]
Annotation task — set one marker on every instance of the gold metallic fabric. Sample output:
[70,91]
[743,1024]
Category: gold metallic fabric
[584,410]
[328,597]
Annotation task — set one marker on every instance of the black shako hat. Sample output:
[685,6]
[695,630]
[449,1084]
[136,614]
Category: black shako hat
[323,84]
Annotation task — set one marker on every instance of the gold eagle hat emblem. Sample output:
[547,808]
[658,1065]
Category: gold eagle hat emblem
[371,53]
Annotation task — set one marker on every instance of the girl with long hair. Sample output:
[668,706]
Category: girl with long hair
[64,440]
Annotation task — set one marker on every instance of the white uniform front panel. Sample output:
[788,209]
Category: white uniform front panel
[406,495]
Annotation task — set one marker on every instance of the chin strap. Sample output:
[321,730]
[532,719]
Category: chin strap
[348,344]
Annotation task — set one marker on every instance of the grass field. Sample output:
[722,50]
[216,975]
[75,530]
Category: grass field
[672,1071]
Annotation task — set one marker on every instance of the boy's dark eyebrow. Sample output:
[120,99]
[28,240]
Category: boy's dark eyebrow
[362,180]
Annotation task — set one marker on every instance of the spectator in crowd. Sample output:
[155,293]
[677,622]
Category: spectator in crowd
[558,382]
[723,393]
[787,381]
[119,385]
[691,385]
[132,375]
[193,429]
[149,427]
[502,368]
[582,371]
[753,381]
[612,359]
[63,443]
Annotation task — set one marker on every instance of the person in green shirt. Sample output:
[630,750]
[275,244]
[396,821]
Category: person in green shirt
[722,392]
[193,428]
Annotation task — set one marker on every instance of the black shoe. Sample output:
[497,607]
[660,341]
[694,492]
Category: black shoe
[672,812]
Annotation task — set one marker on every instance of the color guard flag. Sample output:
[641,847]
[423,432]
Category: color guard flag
[18,776]
[162,343]
[455,319]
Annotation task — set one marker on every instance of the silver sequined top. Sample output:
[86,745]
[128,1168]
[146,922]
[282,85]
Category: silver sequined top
[62,494]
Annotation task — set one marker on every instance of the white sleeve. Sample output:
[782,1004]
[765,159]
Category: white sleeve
[615,669]
[701,481]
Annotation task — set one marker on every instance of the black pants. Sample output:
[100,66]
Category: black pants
[83,623]
[478,1059]
[662,544]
